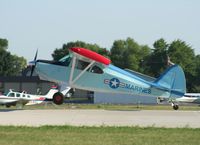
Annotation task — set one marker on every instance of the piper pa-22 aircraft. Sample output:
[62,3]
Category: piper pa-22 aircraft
[88,70]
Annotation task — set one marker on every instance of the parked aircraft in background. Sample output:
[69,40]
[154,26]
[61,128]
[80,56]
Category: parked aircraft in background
[190,98]
[13,98]
[87,70]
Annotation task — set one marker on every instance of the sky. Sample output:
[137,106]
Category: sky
[29,25]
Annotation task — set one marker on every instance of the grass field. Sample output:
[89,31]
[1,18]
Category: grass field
[107,107]
[69,135]
[112,107]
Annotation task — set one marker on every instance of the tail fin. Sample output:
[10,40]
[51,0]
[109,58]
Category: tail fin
[174,79]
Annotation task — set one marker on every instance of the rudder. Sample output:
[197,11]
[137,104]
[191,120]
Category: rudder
[174,79]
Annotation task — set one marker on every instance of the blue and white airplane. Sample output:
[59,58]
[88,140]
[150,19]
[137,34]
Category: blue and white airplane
[88,70]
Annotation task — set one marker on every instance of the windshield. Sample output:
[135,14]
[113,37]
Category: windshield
[5,94]
[66,60]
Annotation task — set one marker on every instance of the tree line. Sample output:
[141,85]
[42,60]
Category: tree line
[124,54]
[144,59]
[10,65]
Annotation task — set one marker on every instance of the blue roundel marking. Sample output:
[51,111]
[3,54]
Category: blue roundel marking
[114,83]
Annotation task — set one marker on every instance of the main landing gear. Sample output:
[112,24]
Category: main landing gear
[58,98]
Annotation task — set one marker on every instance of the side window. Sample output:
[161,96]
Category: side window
[96,69]
[82,64]
[28,96]
[24,95]
[11,95]
[18,95]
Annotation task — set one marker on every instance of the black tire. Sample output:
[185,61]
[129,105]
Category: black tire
[58,98]
[175,107]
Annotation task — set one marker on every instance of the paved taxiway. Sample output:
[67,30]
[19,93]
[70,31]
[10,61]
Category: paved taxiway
[101,117]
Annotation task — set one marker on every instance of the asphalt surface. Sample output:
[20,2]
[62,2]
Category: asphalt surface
[101,118]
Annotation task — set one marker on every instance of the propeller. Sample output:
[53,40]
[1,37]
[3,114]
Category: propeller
[33,63]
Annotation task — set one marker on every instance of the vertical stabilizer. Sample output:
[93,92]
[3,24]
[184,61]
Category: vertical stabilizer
[174,79]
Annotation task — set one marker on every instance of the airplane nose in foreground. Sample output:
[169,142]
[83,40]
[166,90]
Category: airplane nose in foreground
[50,70]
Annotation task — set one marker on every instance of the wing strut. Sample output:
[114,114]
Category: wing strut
[89,65]
[71,80]
[72,70]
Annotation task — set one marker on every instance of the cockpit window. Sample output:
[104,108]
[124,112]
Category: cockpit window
[82,64]
[11,95]
[96,69]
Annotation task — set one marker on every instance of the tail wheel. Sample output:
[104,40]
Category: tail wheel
[58,98]
[175,107]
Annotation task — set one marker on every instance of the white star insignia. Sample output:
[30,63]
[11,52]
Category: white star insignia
[114,83]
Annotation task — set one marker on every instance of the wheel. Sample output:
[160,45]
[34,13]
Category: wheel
[175,107]
[58,98]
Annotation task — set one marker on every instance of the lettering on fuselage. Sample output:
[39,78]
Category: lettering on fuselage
[138,89]
[115,83]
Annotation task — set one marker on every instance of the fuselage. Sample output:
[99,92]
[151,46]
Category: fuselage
[98,77]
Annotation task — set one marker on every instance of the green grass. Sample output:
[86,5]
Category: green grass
[69,135]
[112,107]
[109,107]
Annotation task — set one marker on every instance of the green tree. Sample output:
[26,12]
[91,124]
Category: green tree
[18,63]
[117,53]
[156,63]
[196,79]
[3,43]
[128,54]
[10,64]
[183,54]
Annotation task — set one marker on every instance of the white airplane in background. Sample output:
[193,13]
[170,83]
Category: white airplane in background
[190,98]
[13,98]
